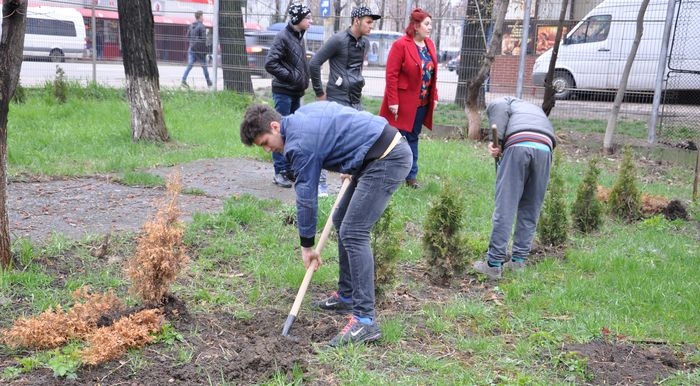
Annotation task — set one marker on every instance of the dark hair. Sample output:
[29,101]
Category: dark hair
[256,122]
[198,14]
[417,16]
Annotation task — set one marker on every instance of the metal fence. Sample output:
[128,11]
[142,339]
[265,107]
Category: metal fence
[591,98]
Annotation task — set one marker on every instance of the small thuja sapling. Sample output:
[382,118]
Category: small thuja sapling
[587,210]
[625,199]
[160,252]
[553,225]
[386,246]
[443,244]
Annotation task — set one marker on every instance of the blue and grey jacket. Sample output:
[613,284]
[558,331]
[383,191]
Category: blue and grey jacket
[325,135]
[512,115]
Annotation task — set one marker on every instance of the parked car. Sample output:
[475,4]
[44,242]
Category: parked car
[257,45]
[452,64]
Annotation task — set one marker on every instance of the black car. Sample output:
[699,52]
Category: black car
[453,64]
[257,45]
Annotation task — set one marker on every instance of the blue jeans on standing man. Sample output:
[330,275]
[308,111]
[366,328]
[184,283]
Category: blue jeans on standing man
[285,105]
[412,139]
[193,57]
[360,208]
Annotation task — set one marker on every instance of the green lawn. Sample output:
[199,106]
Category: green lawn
[637,280]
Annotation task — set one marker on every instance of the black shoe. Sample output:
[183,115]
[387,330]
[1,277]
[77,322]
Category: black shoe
[356,332]
[280,179]
[333,303]
[413,184]
[290,175]
[184,84]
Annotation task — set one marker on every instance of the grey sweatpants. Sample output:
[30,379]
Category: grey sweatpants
[521,184]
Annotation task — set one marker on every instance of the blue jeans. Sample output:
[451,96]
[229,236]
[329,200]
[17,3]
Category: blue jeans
[521,183]
[285,105]
[193,57]
[360,208]
[412,139]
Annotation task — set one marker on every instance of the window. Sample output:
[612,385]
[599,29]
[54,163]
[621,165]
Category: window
[50,27]
[595,29]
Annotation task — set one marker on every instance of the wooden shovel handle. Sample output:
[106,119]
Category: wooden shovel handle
[319,247]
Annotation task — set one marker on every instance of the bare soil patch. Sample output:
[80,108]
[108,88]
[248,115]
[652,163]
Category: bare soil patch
[624,363]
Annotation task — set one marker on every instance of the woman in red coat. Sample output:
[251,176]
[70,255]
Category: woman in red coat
[411,77]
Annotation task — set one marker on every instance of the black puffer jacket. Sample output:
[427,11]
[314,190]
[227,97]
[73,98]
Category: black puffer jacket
[286,62]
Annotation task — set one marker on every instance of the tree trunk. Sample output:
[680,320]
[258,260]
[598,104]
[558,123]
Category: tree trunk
[477,20]
[233,51]
[141,70]
[12,44]
[612,118]
[549,100]
[474,84]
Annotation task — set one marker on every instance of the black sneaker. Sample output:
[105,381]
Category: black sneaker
[356,332]
[280,179]
[333,303]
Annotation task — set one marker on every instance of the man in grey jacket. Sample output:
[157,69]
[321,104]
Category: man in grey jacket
[286,62]
[521,181]
[345,51]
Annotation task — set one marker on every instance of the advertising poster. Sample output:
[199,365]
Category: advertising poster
[545,38]
[512,39]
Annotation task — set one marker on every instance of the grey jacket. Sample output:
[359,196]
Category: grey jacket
[512,115]
[346,56]
[286,62]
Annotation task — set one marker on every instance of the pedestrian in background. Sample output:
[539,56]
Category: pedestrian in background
[286,62]
[410,93]
[197,51]
[345,52]
[521,181]
[339,138]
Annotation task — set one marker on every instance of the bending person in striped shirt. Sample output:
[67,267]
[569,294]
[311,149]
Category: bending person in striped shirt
[521,181]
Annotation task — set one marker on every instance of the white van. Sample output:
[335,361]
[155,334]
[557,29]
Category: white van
[594,52]
[56,33]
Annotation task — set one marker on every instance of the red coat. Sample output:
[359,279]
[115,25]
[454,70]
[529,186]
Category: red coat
[404,72]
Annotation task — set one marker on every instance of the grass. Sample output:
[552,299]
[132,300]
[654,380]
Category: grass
[637,280]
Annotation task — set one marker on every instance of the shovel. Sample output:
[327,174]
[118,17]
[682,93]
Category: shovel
[310,271]
[494,139]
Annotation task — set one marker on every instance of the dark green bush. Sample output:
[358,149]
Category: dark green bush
[386,245]
[553,224]
[587,210]
[442,242]
[625,200]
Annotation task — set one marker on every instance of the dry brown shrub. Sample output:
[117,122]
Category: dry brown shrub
[160,254]
[651,205]
[134,331]
[54,327]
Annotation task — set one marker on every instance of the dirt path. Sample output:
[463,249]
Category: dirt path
[79,207]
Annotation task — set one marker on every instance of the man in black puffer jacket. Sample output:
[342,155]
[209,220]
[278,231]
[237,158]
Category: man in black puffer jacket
[286,62]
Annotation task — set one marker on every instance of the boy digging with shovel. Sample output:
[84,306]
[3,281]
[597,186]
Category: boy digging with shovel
[326,135]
